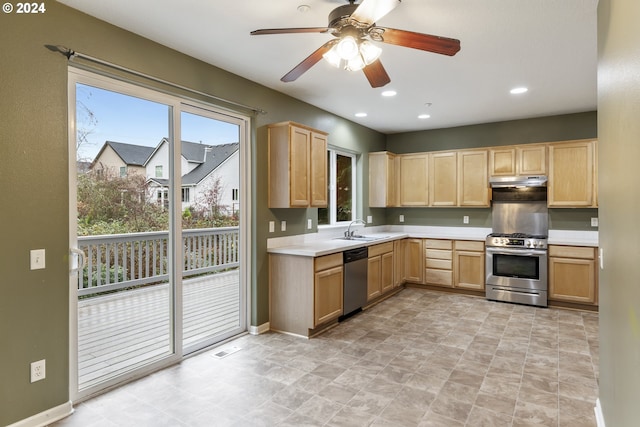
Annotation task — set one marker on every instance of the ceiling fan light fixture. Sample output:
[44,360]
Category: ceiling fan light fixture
[332,57]
[370,52]
[348,48]
[355,64]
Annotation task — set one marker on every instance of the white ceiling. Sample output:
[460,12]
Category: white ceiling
[548,46]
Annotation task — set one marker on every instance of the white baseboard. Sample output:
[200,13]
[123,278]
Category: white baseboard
[599,416]
[47,417]
[260,329]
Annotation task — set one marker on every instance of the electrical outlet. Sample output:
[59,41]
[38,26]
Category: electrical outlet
[37,259]
[272,226]
[283,226]
[594,222]
[465,219]
[369,219]
[401,218]
[38,370]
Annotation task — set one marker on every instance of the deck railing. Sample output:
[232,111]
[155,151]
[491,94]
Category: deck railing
[119,261]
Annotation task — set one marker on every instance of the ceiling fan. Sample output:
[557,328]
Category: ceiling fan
[354,27]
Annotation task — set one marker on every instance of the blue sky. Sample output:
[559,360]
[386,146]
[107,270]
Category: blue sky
[123,118]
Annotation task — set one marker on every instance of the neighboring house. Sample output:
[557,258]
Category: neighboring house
[201,166]
[121,158]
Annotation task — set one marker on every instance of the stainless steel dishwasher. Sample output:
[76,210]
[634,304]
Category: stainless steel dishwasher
[355,280]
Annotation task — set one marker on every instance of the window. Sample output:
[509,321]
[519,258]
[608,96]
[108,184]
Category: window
[341,173]
[123,171]
[234,194]
[163,197]
[159,171]
[185,194]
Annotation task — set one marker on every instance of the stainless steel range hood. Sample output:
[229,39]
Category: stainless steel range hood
[518,181]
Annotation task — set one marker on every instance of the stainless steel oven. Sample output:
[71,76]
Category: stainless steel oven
[516,269]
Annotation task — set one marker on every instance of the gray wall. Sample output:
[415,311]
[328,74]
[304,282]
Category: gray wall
[619,151]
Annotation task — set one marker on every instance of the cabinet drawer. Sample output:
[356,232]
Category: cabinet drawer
[328,261]
[439,277]
[441,264]
[469,245]
[439,254]
[438,244]
[382,248]
[572,252]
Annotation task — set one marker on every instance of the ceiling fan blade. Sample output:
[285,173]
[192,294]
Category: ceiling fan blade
[290,30]
[376,74]
[308,62]
[370,11]
[436,44]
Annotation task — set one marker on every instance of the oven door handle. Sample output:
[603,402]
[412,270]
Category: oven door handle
[522,252]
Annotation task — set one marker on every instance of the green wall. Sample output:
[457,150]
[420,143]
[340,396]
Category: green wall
[619,195]
[34,214]
[34,156]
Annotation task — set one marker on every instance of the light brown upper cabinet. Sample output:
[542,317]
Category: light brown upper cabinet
[297,166]
[414,179]
[443,179]
[473,178]
[572,171]
[528,159]
[383,182]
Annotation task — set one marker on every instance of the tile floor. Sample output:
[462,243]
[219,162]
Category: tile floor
[420,358]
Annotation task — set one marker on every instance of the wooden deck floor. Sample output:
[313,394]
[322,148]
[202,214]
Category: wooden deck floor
[120,332]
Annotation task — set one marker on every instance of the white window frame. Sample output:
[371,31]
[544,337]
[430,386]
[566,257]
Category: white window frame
[333,192]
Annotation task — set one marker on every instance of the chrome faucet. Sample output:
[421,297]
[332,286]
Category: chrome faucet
[349,234]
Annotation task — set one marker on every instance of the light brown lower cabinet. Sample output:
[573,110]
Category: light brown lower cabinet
[414,262]
[380,270]
[469,265]
[399,260]
[305,292]
[572,274]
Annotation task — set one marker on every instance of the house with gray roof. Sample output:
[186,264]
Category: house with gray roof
[121,158]
[202,165]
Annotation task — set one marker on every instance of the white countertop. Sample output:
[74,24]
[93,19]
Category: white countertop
[328,241]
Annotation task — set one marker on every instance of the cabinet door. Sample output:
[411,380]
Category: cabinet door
[414,180]
[318,170]
[327,295]
[473,179]
[469,270]
[400,256]
[572,280]
[374,288]
[571,174]
[382,180]
[414,262]
[502,162]
[299,157]
[443,176]
[532,160]
[386,272]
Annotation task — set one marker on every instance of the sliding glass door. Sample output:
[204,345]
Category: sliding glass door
[155,228]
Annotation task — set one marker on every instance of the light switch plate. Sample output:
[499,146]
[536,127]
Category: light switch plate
[283,226]
[369,219]
[37,259]
[309,224]
[272,226]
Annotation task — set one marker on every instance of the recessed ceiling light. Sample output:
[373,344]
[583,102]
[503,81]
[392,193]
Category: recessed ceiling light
[519,90]
[389,93]
[361,114]
[424,116]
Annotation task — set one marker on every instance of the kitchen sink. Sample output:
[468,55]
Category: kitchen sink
[360,238]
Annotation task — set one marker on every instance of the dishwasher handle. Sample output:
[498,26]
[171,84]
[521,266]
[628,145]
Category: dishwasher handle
[355,254]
